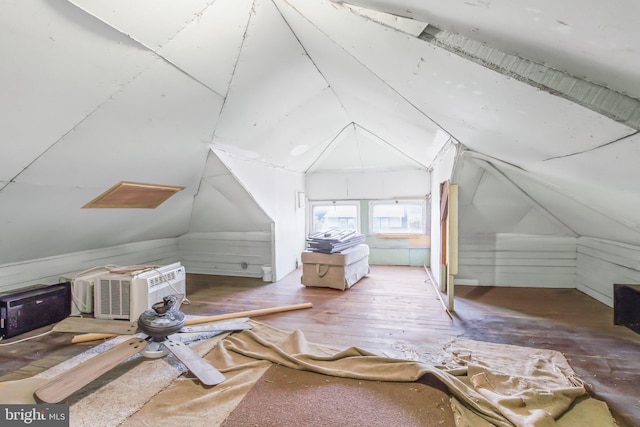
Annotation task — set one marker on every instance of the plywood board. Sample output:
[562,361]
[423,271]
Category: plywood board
[92,325]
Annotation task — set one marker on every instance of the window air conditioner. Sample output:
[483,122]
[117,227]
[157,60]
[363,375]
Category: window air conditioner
[82,286]
[127,295]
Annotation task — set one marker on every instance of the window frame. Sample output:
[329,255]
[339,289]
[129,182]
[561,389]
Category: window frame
[315,203]
[400,234]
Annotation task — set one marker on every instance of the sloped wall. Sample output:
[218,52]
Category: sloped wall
[506,237]
[48,270]
[277,192]
[226,253]
[230,233]
[601,263]
[517,229]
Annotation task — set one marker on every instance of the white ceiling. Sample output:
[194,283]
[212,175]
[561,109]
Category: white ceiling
[592,39]
[97,92]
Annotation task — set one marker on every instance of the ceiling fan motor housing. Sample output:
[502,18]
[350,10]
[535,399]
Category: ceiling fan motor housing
[161,320]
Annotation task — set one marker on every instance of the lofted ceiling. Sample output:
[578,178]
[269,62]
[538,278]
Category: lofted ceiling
[98,92]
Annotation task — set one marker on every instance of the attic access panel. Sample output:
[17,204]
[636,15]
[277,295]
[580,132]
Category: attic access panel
[133,195]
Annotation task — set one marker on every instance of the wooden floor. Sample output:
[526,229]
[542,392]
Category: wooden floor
[395,311]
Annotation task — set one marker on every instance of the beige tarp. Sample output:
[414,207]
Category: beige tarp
[491,384]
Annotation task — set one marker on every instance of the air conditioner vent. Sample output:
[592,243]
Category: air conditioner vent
[113,299]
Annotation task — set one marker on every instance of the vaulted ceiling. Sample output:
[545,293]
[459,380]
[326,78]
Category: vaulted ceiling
[97,92]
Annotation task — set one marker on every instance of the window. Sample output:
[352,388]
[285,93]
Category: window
[327,215]
[398,217]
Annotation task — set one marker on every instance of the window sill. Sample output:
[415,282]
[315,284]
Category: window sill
[400,236]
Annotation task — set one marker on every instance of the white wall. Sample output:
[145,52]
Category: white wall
[276,191]
[370,185]
[589,264]
[226,253]
[517,260]
[229,232]
[48,270]
[601,263]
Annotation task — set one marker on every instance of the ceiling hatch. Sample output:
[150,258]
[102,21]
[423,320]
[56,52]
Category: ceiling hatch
[133,195]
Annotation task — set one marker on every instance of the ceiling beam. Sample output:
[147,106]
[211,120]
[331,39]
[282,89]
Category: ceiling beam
[614,105]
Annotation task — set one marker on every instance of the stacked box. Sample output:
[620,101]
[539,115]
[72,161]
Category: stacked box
[339,271]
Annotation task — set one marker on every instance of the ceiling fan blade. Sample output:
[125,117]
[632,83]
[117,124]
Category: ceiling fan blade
[68,382]
[228,326]
[206,373]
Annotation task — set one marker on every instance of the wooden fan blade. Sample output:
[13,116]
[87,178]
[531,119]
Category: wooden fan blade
[206,373]
[65,384]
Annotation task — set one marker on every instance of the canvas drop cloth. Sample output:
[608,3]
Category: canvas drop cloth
[491,384]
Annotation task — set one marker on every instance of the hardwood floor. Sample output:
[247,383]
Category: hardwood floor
[395,311]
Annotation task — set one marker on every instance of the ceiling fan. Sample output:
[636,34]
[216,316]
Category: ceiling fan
[158,324]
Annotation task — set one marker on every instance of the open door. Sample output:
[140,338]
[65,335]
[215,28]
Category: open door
[449,239]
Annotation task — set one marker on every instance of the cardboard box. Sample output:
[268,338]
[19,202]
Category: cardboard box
[339,271]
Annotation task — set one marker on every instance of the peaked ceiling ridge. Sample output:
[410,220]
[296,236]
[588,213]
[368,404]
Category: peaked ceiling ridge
[266,100]
[466,123]
[331,142]
[392,146]
[362,64]
[356,140]
[355,134]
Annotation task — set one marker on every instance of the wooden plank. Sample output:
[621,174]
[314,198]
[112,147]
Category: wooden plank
[74,379]
[444,200]
[205,372]
[453,231]
[89,324]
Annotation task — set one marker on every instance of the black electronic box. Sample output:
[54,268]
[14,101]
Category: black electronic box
[29,309]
